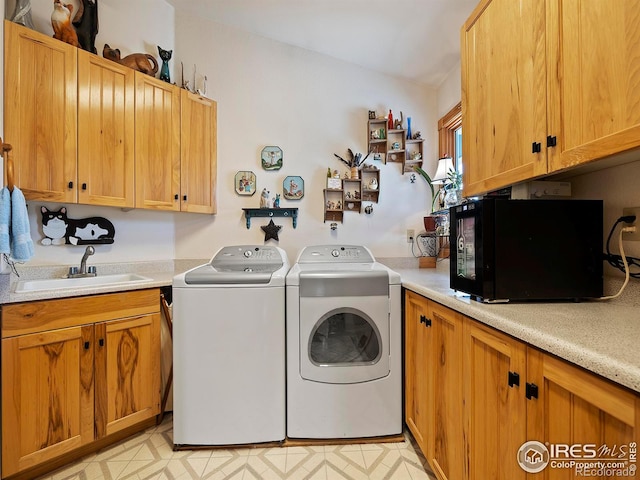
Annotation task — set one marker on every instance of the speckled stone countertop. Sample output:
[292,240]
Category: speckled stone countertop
[601,336]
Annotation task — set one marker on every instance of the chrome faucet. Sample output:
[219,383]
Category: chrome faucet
[74,272]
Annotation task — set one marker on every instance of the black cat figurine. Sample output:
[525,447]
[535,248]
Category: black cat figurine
[59,229]
[165,56]
[86,24]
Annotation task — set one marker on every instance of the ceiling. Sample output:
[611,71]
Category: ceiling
[414,39]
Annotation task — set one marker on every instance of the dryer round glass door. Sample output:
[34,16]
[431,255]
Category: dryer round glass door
[340,344]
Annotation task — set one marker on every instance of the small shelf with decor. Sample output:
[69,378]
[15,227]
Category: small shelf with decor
[396,145]
[413,155]
[370,184]
[333,211]
[352,195]
[377,131]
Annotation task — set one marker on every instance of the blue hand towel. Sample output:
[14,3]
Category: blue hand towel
[5,220]
[21,243]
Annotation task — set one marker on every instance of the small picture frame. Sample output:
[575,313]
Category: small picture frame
[372,114]
[293,187]
[245,182]
[334,183]
[271,157]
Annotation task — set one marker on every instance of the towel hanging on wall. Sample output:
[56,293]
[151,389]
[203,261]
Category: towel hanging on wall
[5,220]
[21,243]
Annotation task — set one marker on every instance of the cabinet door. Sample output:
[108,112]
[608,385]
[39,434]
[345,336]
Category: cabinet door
[578,407]
[444,361]
[40,112]
[503,94]
[127,372]
[105,132]
[495,413]
[416,368]
[157,144]
[198,153]
[47,396]
[595,92]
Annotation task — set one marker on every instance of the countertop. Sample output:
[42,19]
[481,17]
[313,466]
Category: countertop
[601,336]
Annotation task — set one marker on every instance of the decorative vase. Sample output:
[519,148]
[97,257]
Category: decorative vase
[22,14]
[355,174]
[451,198]
[408,128]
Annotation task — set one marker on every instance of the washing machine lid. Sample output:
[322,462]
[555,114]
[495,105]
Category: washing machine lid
[239,265]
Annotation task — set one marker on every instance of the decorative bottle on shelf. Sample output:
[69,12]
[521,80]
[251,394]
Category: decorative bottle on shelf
[390,121]
[408,128]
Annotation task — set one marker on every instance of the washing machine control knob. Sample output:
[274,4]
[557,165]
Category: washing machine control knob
[335,253]
[247,253]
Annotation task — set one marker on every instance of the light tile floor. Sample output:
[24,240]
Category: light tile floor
[150,455]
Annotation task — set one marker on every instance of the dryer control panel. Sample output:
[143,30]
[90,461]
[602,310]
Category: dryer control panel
[336,254]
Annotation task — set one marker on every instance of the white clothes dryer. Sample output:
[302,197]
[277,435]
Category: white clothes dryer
[229,348]
[344,362]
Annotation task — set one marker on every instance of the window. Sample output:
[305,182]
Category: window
[450,136]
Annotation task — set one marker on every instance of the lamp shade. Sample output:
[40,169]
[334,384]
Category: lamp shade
[444,166]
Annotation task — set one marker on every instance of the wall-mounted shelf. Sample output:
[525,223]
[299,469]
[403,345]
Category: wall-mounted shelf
[271,212]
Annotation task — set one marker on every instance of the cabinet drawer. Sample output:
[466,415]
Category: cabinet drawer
[42,315]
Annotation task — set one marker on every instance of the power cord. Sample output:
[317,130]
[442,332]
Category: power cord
[615,260]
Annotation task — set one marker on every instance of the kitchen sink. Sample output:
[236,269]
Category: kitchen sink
[27,286]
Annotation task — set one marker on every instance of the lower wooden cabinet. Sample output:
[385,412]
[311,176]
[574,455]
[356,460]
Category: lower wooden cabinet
[511,393]
[75,371]
[433,383]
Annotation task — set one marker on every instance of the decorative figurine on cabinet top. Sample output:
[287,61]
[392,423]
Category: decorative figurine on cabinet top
[165,56]
[142,62]
[86,23]
[61,23]
[22,14]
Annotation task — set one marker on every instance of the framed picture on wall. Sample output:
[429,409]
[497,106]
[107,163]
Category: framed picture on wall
[245,182]
[293,188]
[271,158]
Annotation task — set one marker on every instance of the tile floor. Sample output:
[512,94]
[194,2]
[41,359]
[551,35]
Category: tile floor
[150,455]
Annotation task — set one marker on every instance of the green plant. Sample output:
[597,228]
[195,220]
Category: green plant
[427,178]
[453,181]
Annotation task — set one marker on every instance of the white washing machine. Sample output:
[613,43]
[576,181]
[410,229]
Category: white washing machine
[229,348]
[344,362]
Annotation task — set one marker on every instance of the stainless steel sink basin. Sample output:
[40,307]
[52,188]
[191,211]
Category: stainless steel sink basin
[85,282]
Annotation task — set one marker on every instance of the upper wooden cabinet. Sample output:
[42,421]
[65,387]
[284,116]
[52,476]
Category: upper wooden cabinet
[559,93]
[40,112]
[157,144]
[198,153]
[105,132]
[88,130]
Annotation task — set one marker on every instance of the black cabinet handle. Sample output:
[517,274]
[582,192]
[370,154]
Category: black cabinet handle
[427,322]
[86,345]
[176,196]
[536,147]
[184,198]
[531,391]
[84,186]
[514,379]
[70,184]
[423,319]
[552,141]
[101,342]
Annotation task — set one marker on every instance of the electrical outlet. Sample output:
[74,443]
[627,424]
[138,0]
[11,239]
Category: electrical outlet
[411,234]
[632,236]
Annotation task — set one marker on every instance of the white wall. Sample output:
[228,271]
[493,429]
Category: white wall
[450,91]
[311,106]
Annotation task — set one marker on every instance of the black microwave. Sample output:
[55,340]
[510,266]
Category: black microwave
[520,250]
